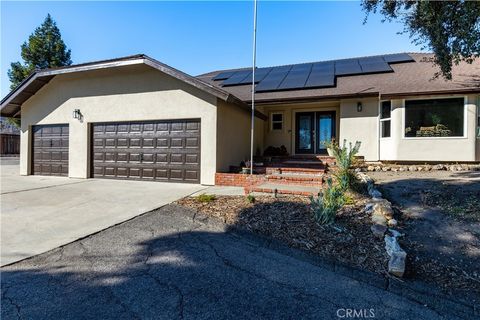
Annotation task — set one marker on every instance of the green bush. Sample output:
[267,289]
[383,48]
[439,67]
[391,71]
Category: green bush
[205,198]
[250,198]
[326,205]
[345,160]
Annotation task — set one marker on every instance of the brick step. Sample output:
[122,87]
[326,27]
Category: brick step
[294,170]
[270,188]
[299,179]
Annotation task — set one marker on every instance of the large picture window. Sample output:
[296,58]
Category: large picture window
[434,118]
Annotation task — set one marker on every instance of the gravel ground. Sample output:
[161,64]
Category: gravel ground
[175,264]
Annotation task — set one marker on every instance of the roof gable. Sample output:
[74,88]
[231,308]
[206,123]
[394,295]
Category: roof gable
[12,102]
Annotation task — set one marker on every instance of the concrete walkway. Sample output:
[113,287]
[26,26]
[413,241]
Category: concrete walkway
[41,213]
[173,264]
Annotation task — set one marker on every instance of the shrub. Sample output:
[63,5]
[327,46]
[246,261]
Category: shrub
[345,159]
[326,205]
[205,198]
[250,198]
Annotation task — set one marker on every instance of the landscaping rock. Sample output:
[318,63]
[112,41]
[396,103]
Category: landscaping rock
[378,218]
[438,167]
[401,169]
[392,223]
[370,168]
[375,194]
[396,264]
[412,168]
[378,230]
[369,207]
[395,233]
[384,209]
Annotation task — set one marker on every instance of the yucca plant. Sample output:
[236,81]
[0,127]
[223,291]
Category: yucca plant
[325,206]
[345,160]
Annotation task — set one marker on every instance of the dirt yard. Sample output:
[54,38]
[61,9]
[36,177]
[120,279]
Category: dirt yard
[440,214]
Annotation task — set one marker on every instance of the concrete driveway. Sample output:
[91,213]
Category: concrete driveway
[41,213]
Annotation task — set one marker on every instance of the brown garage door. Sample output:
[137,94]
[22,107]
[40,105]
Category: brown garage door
[150,150]
[50,150]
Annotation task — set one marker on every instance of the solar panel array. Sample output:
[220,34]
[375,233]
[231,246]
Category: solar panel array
[311,75]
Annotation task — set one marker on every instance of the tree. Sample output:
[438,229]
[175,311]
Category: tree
[451,29]
[44,49]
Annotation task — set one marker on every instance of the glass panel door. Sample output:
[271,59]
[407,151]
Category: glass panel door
[325,129]
[305,128]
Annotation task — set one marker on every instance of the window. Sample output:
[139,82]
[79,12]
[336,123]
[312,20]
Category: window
[478,119]
[385,118]
[434,118]
[276,121]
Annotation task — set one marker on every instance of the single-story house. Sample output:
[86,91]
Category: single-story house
[136,118]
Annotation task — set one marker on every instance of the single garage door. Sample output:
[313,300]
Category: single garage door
[50,150]
[147,150]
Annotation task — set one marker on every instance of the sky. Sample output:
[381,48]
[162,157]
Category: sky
[199,37]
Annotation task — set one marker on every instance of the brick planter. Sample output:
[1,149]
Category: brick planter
[238,179]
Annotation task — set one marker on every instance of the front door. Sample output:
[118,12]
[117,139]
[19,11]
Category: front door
[313,130]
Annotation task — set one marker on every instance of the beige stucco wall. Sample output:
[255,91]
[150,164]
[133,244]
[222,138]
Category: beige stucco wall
[286,136]
[430,149]
[233,135]
[360,126]
[121,94]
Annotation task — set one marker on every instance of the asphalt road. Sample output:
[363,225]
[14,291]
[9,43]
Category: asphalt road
[167,264]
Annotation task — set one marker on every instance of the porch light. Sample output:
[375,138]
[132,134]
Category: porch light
[77,114]
[359,107]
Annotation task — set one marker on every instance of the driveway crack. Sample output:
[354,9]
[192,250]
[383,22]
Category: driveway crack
[301,292]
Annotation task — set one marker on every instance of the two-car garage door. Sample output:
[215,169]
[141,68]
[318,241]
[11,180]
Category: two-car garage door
[143,150]
[147,150]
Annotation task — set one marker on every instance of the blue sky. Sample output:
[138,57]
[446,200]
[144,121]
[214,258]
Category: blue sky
[198,37]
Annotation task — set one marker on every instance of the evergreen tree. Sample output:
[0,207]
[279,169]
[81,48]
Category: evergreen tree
[44,49]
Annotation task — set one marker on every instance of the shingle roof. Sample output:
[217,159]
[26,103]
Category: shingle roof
[416,78]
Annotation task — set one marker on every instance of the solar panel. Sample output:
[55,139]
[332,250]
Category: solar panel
[311,75]
[347,67]
[397,58]
[319,79]
[296,78]
[273,79]
[375,67]
[375,59]
[237,77]
[223,75]
[260,74]
[324,67]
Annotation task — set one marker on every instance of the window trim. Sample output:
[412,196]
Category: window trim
[282,122]
[384,120]
[465,116]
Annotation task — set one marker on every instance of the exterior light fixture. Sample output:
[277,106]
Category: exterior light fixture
[359,107]
[77,114]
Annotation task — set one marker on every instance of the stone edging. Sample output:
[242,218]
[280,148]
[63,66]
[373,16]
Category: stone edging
[382,218]
[369,167]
